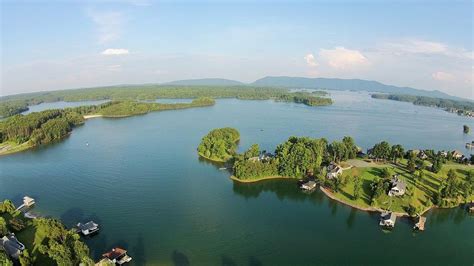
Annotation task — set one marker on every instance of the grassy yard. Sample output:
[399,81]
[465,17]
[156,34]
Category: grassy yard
[420,192]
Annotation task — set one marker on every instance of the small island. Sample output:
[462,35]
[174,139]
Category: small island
[219,145]
[387,178]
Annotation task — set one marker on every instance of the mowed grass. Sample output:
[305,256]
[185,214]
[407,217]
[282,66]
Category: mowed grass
[420,193]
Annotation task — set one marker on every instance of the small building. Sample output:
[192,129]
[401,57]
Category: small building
[397,187]
[470,207]
[457,155]
[310,185]
[388,219]
[333,171]
[27,202]
[420,224]
[422,155]
[118,256]
[87,228]
[444,153]
[12,246]
[470,145]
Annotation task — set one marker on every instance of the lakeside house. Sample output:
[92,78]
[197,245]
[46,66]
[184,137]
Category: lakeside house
[12,246]
[87,228]
[263,157]
[398,187]
[117,255]
[470,145]
[457,154]
[422,155]
[470,207]
[388,219]
[444,153]
[420,224]
[333,171]
[310,185]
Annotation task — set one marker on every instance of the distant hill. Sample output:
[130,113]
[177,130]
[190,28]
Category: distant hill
[347,84]
[206,82]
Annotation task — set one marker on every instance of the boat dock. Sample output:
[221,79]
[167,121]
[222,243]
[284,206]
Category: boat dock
[87,228]
[27,202]
[420,225]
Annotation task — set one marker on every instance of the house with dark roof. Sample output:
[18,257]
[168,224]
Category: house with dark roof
[12,246]
[388,219]
[397,187]
[87,228]
[310,185]
[333,171]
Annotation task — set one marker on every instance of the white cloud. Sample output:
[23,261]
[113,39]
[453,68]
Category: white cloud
[112,51]
[109,25]
[342,58]
[442,76]
[416,46]
[310,60]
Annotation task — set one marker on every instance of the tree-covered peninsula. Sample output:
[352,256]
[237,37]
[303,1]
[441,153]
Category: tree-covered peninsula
[21,132]
[460,107]
[15,104]
[219,144]
[425,178]
[46,240]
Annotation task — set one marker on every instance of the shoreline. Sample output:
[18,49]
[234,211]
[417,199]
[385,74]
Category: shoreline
[92,116]
[370,209]
[248,181]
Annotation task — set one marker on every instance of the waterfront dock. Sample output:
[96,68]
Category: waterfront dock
[420,224]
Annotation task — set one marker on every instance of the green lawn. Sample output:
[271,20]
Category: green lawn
[420,191]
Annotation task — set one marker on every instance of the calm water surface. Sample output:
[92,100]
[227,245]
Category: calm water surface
[141,179]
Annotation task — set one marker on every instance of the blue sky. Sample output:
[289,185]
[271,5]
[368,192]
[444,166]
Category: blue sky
[48,45]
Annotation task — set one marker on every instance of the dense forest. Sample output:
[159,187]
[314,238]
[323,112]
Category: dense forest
[14,104]
[219,144]
[43,127]
[297,157]
[449,105]
[47,241]
[305,98]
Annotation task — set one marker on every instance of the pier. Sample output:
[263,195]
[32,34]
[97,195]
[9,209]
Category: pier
[27,202]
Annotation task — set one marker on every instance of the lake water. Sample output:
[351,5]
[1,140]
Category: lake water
[59,105]
[142,180]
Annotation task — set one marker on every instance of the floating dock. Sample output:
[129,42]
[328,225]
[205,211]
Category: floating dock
[420,225]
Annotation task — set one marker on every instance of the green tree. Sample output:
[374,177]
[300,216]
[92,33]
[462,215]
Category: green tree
[253,151]
[396,152]
[3,227]
[466,129]
[357,187]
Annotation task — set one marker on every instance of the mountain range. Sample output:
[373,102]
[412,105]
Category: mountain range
[319,83]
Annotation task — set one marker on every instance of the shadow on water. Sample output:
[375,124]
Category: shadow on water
[179,258]
[138,252]
[284,189]
[351,218]
[253,261]
[227,261]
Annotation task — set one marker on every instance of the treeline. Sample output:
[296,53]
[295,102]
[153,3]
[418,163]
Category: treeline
[10,105]
[429,101]
[305,98]
[46,126]
[219,144]
[50,243]
[297,157]
[39,128]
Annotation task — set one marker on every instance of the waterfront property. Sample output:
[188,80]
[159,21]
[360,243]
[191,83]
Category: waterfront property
[457,154]
[12,246]
[333,170]
[87,228]
[310,185]
[388,219]
[117,255]
[398,187]
[27,202]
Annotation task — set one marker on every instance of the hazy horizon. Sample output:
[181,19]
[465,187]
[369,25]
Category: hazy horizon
[68,45]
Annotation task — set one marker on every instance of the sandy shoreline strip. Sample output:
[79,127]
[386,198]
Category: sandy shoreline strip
[92,116]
